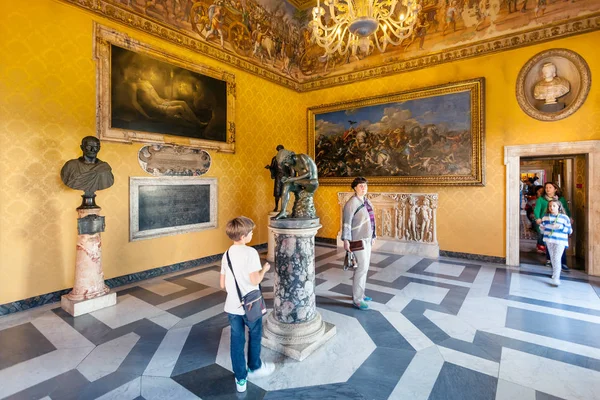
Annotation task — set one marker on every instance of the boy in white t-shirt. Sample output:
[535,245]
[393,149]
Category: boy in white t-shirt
[248,274]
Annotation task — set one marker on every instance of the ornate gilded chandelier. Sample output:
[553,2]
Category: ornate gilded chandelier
[358,24]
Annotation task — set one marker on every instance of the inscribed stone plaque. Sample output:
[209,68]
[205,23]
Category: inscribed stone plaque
[169,206]
[178,205]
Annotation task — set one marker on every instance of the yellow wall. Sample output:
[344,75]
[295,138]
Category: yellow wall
[472,219]
[47,104]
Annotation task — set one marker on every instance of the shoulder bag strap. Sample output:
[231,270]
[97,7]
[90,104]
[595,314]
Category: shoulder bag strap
[235,280]
[358,209]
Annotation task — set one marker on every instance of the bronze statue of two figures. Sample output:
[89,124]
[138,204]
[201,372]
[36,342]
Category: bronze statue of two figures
[294,173]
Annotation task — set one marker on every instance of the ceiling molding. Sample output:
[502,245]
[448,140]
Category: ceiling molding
[393,64]
[302,4]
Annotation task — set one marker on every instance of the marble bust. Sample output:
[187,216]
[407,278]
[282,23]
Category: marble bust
[550,88]
[87,173]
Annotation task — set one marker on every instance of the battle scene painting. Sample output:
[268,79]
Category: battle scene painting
[149,95]
[429,136]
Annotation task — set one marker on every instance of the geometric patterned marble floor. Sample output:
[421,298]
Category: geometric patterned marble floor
[436,329]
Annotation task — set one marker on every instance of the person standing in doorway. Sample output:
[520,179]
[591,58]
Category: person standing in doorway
[556,228]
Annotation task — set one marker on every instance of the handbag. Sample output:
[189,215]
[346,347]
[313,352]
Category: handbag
[356,245]
[253,302]
[349,261]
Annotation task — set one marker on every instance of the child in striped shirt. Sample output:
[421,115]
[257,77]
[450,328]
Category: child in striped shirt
[556,228]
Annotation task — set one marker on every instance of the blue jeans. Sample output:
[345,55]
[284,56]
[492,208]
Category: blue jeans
[238,342]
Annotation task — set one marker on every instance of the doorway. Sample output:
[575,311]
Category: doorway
[568,172]
[590,151]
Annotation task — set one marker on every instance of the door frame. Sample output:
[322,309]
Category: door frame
[512,161]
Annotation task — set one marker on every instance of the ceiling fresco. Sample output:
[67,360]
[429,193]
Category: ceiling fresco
[270,38]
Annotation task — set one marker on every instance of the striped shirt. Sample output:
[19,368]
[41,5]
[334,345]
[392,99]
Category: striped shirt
[556,229]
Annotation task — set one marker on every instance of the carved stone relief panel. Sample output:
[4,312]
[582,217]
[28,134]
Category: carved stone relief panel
[172,160]
[409,217]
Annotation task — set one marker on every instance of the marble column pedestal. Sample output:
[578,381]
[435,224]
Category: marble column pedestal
[271,239]
[294,327]
[89,293]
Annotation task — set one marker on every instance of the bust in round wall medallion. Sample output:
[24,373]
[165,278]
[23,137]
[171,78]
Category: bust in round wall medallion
[553,84]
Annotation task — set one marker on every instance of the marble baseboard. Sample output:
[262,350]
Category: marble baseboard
[300,351]
[81,307]
[474,257]
[54,297]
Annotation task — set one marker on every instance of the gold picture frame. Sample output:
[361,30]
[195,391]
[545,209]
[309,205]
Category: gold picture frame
[428,136]
[145,94]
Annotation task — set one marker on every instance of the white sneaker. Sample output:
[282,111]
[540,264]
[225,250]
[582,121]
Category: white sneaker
[240,385]
[555,282]
[265,369]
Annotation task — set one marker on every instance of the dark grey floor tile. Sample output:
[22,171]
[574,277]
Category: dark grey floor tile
[377,377]
[546,396]
[91,328]
[202,344]
[201,304]
[558,306]
[155,299]
[214,382]
[62,387]
[500,284]
[21,343]
[379,297]
[414,313]
[468,348]
[336,391]
[562,328]
[105,384]
[460,383]
[381,332]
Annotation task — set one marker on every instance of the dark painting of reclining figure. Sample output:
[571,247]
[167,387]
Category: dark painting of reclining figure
[149,95]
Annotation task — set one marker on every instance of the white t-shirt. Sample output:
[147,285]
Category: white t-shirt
[244,261]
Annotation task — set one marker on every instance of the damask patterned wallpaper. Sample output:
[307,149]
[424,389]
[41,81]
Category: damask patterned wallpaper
[48,104]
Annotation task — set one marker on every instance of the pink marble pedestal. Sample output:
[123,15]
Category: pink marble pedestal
[89,293]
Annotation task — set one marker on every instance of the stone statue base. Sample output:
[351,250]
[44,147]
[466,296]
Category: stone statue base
[294,327]
[552,107]
[89,278]
[296,341]
[271,238]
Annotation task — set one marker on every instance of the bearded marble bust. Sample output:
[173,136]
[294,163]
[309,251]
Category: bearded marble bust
[551,87]
[87,173]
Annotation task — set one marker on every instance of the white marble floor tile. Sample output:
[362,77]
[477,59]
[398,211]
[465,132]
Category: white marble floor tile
[445,269]
[106,358]
[58,332]
[471,362]
[127,310]
[162,287]
[159,388]
[436,279]
[168,352]
[185,299]
[377,258]
[397,303]
[549,376]
[200,316]
[574,293]
[511,391]
[208,278]
[563,345]
[334,362]
[551,310]
[39,369]
[419,378]
[483,282]
[166,320]
[428,293]
[10,320]
[483,313]
[413,335]
[454,326]
[128,391]
[396,269]
[335,275]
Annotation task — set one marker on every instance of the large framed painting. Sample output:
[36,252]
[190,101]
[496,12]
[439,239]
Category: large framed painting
[430,136]
[148,95]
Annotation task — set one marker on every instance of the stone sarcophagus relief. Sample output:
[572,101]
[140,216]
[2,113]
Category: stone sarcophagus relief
[406,223]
